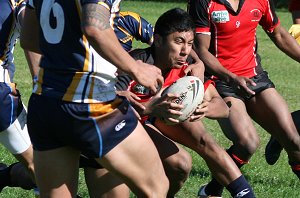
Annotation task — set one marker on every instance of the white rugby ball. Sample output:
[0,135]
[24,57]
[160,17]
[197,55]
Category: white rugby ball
[191,92]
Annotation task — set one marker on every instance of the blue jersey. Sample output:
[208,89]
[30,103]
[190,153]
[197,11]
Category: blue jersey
[129,26]
[9,33]
[71,70]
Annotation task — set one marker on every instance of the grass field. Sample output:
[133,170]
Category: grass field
[276,181]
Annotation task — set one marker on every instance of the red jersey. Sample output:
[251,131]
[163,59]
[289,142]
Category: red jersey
[233,34]
[170,78]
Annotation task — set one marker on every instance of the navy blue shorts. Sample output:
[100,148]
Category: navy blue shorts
[262,82]
[53,123]
[10,106]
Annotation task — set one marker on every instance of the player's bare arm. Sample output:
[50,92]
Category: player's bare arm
[202,43]
[285,42]
[97,29]
[29,32]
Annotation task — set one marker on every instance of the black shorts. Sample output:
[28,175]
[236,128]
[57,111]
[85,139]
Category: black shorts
[53,123]
[262,82]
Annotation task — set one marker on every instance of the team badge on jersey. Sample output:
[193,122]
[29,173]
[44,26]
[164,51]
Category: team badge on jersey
[221,16]
[256,15]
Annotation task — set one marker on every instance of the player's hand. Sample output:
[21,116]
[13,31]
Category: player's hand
[149,76]
[241,83]
[164,106]
[196,69]
[133,99]
[200,111]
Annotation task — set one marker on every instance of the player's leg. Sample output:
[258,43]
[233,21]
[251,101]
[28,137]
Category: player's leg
[194,136]
[56,165]
[274,148]
[176,161]
[57,172]
[103,184]
[240,130]
[270,110]
[137,162]
[16,139]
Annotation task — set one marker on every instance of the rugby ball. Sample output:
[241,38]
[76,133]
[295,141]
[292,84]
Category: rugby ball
[191,92]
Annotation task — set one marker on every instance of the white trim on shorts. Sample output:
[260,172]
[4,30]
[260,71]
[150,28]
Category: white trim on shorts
[16,138]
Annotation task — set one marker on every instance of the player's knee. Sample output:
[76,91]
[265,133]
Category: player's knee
[183,166]
[249,145]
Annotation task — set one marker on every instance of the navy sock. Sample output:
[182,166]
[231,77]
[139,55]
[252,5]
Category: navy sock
[214,188]
[240,188]
[296,168]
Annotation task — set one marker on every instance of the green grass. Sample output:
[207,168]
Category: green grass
[267,181]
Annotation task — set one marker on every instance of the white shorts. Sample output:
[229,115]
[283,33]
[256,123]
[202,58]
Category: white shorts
[15,138]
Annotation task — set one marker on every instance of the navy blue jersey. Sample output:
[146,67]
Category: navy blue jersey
[71,70]
[129,26]
[9,33]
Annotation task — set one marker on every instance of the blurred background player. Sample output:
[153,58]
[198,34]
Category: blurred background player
[240,78]
[13,129]
[74,101]
[273,147]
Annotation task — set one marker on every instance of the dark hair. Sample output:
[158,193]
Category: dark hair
[174,20]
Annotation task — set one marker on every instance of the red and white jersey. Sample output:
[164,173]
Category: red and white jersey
[233,34]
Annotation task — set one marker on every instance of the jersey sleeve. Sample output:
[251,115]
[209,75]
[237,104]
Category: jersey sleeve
[198,9]
[145,31]
[269,18]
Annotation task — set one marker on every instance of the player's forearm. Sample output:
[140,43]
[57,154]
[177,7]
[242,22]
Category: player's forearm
[33,60]
[213,66]
[286,43]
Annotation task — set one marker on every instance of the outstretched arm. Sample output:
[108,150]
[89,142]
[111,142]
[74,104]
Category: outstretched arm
[285,42]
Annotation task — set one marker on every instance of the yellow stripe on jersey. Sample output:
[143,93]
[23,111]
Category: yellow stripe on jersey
[98,109]
[104,4]
[135,16]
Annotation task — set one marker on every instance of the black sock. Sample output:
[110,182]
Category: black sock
[5,177]
[20,177]
[296,168]
[240,188]
[239,162]
[214,188]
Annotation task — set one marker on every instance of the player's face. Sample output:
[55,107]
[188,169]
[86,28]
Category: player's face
[176,47]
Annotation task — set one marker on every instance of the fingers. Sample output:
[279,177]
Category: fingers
[194,118]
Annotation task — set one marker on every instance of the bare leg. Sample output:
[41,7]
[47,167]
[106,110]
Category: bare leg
[136,161]
[57,172]
[103,184]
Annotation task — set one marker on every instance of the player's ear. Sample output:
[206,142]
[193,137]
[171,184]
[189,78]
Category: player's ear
[158,40]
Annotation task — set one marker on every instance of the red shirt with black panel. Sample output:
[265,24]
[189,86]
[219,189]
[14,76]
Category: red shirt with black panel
[233,33]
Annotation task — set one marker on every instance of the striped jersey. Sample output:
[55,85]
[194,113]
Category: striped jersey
[233,33]
[129,26]
[71,70]
[9,33]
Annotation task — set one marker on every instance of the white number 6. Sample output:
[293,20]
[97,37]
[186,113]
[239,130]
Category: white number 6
[52,35]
